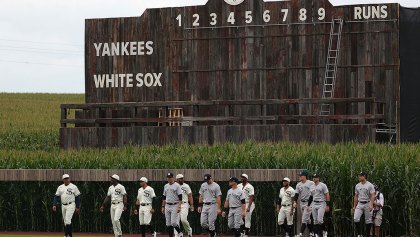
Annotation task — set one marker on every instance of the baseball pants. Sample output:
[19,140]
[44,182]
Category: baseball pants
[363,208]
[185,208]
[145,216]
[67,211]
[116,211]
[306,215]
[318,212]
[378,218]
[208,217]
[248,215]
[171,215]
[234,218]
[285,213]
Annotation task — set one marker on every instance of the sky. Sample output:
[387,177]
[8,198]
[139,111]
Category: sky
[41,41]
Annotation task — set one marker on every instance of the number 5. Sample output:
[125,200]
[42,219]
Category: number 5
[248,16]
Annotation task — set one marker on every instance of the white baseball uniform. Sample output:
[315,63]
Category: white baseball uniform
[185,207]
[116,193]
[145,199]
[379,199]
[249,191]
[68,196]
[286,209]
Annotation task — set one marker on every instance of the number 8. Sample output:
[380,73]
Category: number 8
[302,15]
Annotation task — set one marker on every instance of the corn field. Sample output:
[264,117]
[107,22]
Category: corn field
[29,140]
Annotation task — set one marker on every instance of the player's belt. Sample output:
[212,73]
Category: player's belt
[303,200]
[288,205]
[363,202]
[65,204]
[115,203]
[234,207]
[319,201]
[184,202]
[171,203]
[209,203]
[145,204]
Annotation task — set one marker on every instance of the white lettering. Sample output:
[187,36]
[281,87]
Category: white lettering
[99,81]
[129,80]
[106,51]
[133,48]
[139,79]
[357,13]
[149,47]
[384,12]
[366,12]
[98,48]
[115,49]
[157,79]
[140,48]
[148,80]
[124,50]
[375,12]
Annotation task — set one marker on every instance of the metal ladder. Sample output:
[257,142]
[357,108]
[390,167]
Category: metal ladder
[331,64]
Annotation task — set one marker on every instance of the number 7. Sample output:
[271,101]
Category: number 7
[286,13]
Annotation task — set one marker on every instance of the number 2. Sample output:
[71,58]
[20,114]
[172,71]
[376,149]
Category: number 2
[197,18]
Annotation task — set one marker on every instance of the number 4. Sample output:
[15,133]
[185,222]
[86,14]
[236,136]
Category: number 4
[231,18]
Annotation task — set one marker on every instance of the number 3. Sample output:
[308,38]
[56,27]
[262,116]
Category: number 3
[213,19]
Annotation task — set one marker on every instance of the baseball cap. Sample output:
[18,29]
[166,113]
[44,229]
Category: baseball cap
[143,179]
[244,176]
[207,177]
[286,179]
[179,176]
[114,176]
[363,174]
[234,179]
[66,176]
[304,173]
[316,176]
[169,175]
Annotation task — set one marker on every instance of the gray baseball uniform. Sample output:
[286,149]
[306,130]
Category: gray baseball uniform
[171,193]
[319,202]
[235,198]
[304,192]
[209,194]
[363,192]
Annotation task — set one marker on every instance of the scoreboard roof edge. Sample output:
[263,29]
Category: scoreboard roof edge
[207,2]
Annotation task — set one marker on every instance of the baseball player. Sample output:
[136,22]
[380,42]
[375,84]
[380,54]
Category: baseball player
[146,200]
[285,208]
[69,195]
[235,201]
[249,200]
[209,204]
[171,205]
[117,196]
[377,211]
[319,203]
[187,203]
[302,194]
[364,199]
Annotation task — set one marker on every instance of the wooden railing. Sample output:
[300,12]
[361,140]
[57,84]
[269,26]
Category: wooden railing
[104,114]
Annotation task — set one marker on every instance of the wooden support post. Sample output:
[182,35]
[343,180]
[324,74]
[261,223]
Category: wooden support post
[63,117]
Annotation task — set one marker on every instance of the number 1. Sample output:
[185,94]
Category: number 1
[179,18]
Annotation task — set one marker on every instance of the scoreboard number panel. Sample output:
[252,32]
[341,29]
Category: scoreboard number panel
[304,15]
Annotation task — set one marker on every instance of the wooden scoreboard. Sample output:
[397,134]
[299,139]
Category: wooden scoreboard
[235,70]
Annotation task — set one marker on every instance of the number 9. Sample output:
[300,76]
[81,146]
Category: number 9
[321,13]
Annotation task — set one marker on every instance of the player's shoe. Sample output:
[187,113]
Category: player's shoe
[154,234]
[189,235]
[299,235]
[325,234]
[311,234]
[180,234]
